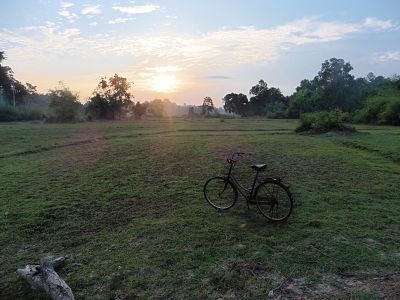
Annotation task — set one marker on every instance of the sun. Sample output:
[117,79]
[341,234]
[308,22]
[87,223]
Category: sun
[164,83]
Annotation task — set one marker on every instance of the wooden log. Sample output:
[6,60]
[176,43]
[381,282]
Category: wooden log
[44,277]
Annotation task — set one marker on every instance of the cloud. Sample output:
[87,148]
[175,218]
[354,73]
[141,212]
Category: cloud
[381,24]
[217,77]
[42,41]
[225,47]
[138,9]
[165,69]
[389,56]
[66,4]
[93,24]
[120,20]
[69,32]
[64,12]
[91,10]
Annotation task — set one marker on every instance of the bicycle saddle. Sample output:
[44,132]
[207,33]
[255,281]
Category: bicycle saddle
[259,167]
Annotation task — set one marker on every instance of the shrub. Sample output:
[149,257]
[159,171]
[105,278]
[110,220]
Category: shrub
[64,104]
[323,121]
[9,114]
[391,113]
[380,110]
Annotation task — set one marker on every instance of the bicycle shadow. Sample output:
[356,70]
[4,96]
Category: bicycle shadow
[249,216]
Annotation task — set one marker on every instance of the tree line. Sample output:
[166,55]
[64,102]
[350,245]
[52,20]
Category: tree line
[11,88]
[111,99]
[368,99]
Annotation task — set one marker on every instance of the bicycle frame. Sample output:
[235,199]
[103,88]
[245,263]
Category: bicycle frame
[248,194]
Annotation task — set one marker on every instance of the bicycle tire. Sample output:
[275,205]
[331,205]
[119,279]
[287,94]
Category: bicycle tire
[268,195]
[221,184]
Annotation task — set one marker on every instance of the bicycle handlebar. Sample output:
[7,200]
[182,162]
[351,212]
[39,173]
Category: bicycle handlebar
[239,154]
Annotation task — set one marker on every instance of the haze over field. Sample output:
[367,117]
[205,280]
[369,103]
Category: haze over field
[185,50]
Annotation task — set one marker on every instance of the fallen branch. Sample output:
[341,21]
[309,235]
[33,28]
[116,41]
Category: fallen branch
[44,277]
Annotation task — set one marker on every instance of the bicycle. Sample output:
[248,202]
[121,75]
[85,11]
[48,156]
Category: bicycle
[272,197]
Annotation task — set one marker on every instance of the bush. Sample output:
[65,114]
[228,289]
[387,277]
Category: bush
[391,113]
[9,114]
[323,121]
[64,104]
[380,110]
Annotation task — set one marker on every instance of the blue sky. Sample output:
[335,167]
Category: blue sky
[186,50]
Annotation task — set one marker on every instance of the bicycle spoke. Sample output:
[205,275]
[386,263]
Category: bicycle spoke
[273,201]
[220,193]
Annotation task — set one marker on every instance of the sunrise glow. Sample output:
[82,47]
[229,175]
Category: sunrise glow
[164,83]
[185,52]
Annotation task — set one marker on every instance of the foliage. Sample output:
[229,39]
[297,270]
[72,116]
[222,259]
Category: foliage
[236,104]
[323,121]
[380,110]
[303,100]
[110,98]
[156,108]
[333,88]
[266,100]
[8,83]
[9,114]
[98,107]
[207,107]
[383,107]
[139,109]
[64,104]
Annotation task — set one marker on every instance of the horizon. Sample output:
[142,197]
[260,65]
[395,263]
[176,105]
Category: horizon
[187,51]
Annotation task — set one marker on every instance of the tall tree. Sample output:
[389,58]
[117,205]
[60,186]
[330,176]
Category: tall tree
[156,108]
[207,107]
[64,103]
[11,87]
[336,85]
[139,109]
[236,103]
[333,88]
[110,98]
[266,100]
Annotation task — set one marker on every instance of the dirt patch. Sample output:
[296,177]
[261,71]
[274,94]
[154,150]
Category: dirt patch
[223,146]
[88,147]
[238,279]
[80,137]
[340,287]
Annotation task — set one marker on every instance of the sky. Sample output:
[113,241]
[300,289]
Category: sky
[186,50]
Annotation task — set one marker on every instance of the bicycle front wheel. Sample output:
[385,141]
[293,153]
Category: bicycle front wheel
[220,193]
[274,200]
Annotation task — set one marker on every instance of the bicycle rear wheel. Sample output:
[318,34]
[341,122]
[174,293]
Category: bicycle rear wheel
[220,193]
[274,200]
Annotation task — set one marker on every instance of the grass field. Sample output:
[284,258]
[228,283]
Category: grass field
[124,202]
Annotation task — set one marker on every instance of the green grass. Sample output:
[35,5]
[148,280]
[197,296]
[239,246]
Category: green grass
[124,199]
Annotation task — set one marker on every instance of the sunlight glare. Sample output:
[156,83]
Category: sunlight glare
[164,83]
